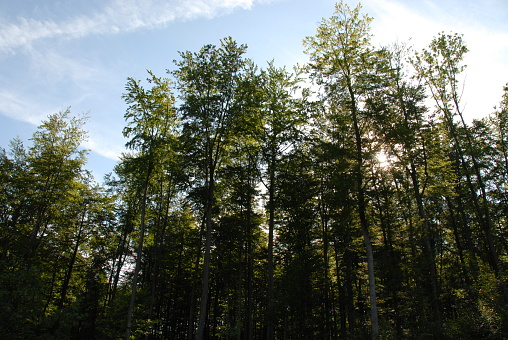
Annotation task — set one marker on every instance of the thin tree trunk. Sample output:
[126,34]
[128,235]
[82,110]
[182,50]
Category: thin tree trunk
[139,254]
[493,255]
[68,274]
[249,322]
[428,246]
[458,241]
[164,212]
[192,309]
[362,207]
[117,267]
[271,225]
[342,295]
[326,264]
[206,264]
[349,296]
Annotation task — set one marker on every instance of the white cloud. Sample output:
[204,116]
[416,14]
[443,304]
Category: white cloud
[486,71]
[108,150]
[394,21]
[60,67]
[21,109]
[50,74]
[119,16]
[74,79]
[26,111]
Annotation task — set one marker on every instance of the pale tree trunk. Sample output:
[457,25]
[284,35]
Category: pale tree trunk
[271,225]
[250,288]
[363,217]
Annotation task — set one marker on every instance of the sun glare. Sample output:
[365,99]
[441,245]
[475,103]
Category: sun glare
[383,159]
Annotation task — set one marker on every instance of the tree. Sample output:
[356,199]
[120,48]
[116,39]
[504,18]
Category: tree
[405,134]
[15,175]
[440,66]
[55,160]
[299,276]
[350,70]
[212,107]
[499,125]
[150,126]
[50,207]
[282,116]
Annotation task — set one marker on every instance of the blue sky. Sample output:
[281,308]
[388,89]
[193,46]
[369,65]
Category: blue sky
[79,53]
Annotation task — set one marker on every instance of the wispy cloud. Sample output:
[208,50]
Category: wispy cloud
[110,151]
[47,74]
[72,79]
[395,20]
[16,107]
[24,110]
[117,17]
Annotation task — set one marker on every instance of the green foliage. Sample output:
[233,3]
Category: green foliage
[246,208]
[55,223]
[151,114]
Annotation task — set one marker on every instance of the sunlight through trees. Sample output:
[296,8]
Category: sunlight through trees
[329,201]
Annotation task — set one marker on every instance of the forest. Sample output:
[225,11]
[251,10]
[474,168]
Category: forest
[346,198]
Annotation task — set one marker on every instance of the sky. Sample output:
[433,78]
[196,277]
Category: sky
[56,54]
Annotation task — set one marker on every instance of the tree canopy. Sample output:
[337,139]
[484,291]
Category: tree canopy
[346,198]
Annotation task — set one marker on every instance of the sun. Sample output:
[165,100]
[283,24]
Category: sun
[383,158]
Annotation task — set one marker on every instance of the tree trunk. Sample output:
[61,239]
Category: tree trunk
[430,258]
[192,308]
[117,267]
[362,207]
[326,264]
[206,263]
[68,274]
[271,225]
[139,254]
[250,260]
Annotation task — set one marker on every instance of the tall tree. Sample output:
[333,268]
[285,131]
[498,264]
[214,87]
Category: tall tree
[343,61]
[440,65]
[45,221]
[212,106]
[404,133]
[499,172]
[282,114]
[150,126]
[55,160]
